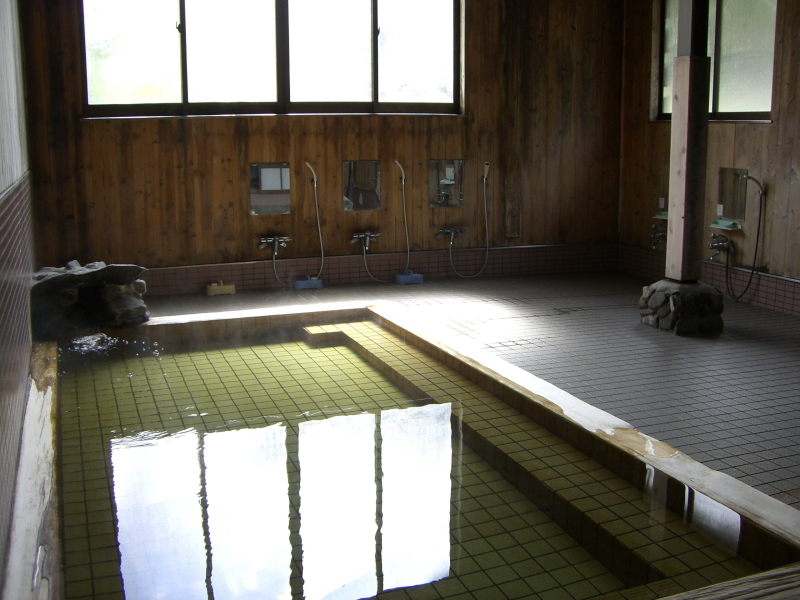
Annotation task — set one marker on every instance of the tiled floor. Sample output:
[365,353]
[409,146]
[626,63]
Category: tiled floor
[728,401]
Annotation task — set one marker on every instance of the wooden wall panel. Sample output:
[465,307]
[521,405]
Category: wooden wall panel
[541,104]
[770,151]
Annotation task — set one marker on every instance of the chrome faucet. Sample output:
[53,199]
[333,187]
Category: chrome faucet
[443,197]
[450,231]
[366,237]
[720,243]
[660,234]
[274,242]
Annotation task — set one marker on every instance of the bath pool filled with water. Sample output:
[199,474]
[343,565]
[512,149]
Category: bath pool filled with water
[286,471]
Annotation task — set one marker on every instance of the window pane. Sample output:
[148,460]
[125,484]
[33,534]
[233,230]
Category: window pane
[670,41]
[746,46]
[230,51]
[712,44]
[415,55]
[133,51]
[330,50]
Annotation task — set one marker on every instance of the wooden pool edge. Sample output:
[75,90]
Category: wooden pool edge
[34,568]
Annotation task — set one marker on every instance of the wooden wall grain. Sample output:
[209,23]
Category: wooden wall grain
[541,98]
[770,152]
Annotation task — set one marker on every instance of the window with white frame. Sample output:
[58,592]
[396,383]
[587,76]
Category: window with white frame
[741,44]
[175,57]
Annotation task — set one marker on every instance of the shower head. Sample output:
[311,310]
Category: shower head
[402,170]
[313,172]
[486,170]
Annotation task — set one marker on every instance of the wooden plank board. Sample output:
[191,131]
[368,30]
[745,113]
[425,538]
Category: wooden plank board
[749,153]
[779,202]
[792,252]
[532,167]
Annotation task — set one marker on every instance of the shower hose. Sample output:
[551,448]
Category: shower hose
[761,193]
[366,266]
[319,230]
[486,225]
[275,271]
[405,224]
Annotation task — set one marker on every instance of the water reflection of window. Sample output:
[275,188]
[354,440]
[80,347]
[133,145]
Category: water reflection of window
[415,459]
[159,484]
[247,490]
[338,507]
[161,541]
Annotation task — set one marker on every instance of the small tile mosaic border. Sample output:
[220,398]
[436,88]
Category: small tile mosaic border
[16,265]
[532,260]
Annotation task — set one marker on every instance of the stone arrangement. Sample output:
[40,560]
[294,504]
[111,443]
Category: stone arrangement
[683,308]
[75,297]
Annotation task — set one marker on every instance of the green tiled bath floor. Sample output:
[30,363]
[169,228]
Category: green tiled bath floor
[502,546]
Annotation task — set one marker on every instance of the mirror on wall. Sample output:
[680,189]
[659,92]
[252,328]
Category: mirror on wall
[663,188]
[732,203]
[361,188]
[446,183]
[269,189]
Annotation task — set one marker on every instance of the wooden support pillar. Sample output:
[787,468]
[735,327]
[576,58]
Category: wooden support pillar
[689,144]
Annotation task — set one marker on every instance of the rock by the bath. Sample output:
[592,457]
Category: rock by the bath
[139,286]
[66,299]
[650,321]
[124,303]
[683,308]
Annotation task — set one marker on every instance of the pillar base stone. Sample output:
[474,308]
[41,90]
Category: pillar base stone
[682,308]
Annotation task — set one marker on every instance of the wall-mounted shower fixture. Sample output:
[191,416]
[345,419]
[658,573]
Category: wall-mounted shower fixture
[452,232]
[721,243]
[659,235]
[275,242]
[366,238]
[732,205]
[407,276]
[309,282]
